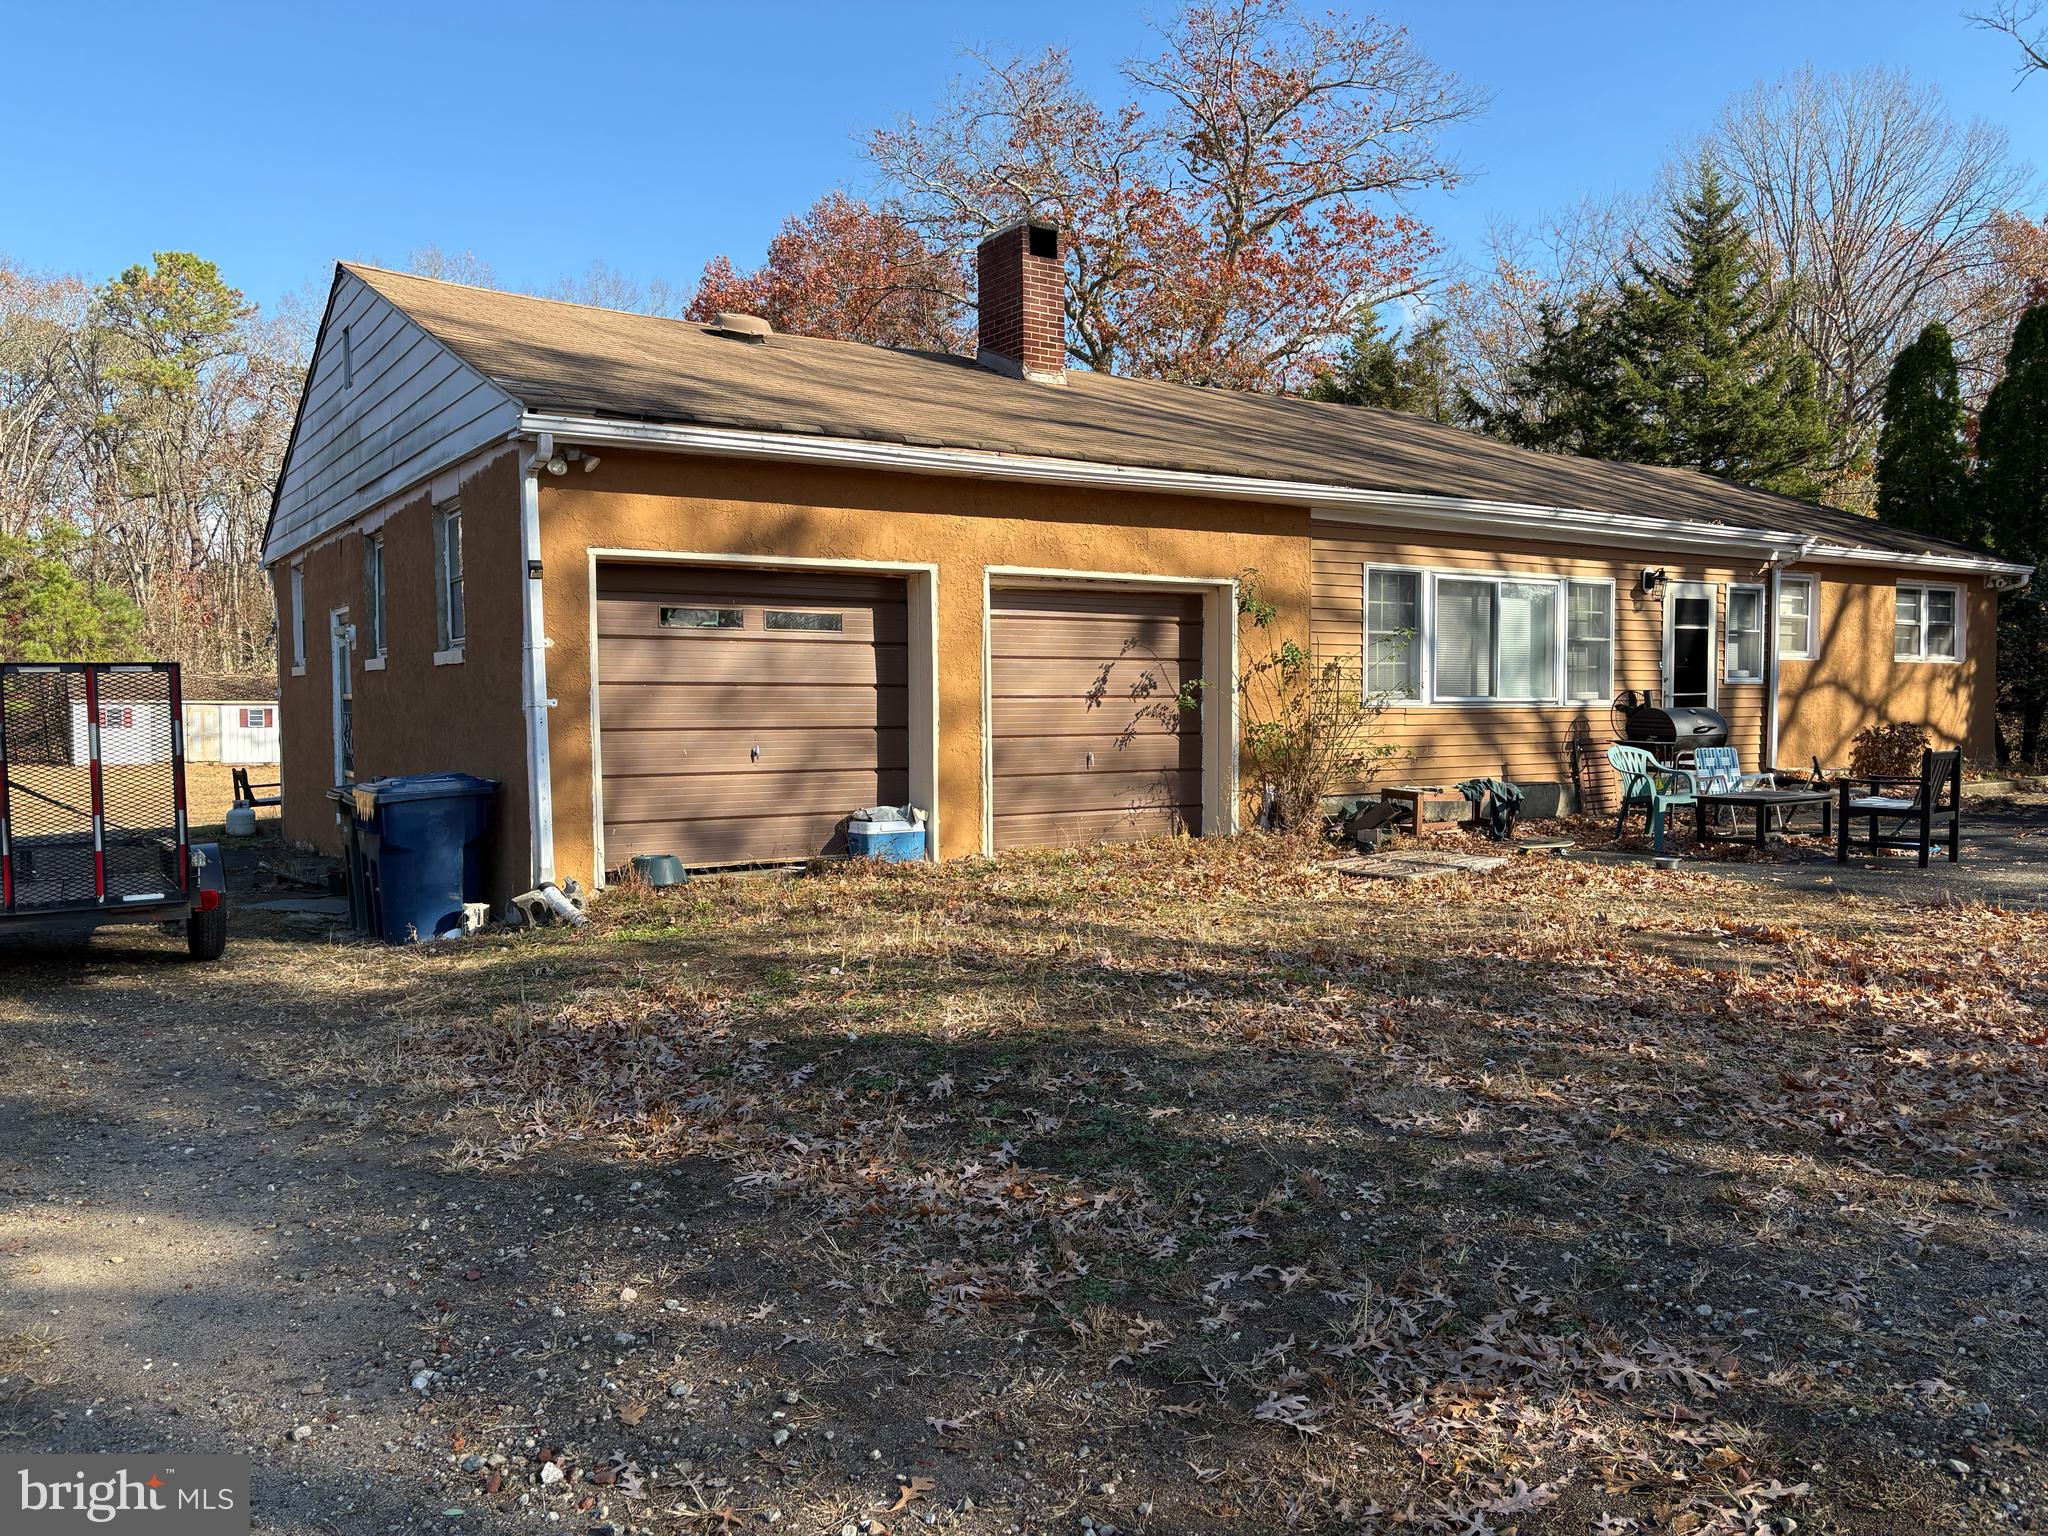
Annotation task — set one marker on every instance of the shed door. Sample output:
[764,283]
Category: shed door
[744,716]
[1090,744]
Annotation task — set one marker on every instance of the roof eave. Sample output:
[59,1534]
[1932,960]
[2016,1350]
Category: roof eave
[1404,509]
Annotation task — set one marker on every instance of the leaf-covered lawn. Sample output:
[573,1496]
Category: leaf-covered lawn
[1193,1187]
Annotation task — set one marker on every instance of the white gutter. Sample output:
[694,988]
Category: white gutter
[1346,503]
[1853,554]
[533,676]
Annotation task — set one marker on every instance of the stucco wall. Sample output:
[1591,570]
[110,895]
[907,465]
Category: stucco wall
[1853,682]
[414,716]
[660,502]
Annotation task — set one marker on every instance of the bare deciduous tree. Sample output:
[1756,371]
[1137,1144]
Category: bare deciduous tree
[2026,23]
[1873,206]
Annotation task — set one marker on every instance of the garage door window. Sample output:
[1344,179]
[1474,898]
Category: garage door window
[821,623]
[703,618]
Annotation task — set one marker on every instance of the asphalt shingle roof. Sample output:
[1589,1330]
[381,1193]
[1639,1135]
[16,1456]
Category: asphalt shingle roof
[574,359]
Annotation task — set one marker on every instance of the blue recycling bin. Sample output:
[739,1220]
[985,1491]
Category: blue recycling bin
[421,839]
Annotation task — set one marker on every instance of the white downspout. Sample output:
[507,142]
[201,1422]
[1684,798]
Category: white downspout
[533,681]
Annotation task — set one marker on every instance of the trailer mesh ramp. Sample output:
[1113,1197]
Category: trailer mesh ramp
[91,808]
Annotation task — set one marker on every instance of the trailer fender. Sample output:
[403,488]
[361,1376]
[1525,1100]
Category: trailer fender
[209,877]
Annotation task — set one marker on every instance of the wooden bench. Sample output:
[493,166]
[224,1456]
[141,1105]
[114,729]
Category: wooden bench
[1418,798]
[245,792]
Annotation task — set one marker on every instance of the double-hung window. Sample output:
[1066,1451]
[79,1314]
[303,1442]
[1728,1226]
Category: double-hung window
[1745,646]
[1538,640]
[1393,633]
[1795,618]
[373,591]
[1925,624]
[448,580]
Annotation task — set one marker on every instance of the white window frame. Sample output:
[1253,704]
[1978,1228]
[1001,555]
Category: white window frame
[298,579]
[1729,674]
[373,599]
[1425,636]
[1807,646]
[450,644]
[1419,642]
[1961,622]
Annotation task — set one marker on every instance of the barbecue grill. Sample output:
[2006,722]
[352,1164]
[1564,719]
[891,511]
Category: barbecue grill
[1665,731]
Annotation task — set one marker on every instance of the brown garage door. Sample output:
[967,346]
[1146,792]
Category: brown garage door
[745,715]
[1089,745]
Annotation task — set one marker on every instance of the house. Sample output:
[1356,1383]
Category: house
[230,720]
[704,589]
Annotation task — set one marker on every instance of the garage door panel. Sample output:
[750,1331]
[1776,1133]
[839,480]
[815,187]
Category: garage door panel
[750,727]
[686,705]
[1087,740]
[1071,636]
[682,656]
[1071,717]
[1095,680]
[859,623]
[1070,828]
[721,750]
[1160,789]
[1072,754]
[731,839]
[694,797]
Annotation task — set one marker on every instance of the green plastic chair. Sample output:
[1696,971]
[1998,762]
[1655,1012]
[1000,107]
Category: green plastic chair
[1655,786]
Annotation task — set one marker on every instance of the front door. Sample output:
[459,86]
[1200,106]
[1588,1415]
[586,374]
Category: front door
[1689,644]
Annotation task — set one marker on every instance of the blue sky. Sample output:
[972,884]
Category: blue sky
[276,138]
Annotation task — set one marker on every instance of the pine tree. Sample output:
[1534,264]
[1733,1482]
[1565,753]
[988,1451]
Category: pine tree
[1413,375]
[1687,361]
[1922,458]
[1708,362]
[2012,501]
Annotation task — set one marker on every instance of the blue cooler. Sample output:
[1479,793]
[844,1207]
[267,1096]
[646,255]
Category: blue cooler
[421,837]
[891,833]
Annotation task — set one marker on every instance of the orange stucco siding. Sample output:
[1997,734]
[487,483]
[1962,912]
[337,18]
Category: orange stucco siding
[673,503]
[1853,681]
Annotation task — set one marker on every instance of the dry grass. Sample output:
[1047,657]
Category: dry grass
[1570,1198]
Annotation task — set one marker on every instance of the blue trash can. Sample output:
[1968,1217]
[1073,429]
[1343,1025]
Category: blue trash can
[421,836]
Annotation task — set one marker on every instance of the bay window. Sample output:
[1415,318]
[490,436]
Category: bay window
[1489,638]
[1924,625]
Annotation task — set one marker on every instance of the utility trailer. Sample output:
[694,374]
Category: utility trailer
[92,805]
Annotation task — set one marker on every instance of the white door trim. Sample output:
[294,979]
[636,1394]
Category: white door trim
[1219,660]
[921,607]
[1673,590]
[340,643]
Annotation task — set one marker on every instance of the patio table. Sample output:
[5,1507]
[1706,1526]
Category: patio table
[1765,805]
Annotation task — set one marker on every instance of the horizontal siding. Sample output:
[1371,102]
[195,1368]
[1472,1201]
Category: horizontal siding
[413,409]
[1566,744]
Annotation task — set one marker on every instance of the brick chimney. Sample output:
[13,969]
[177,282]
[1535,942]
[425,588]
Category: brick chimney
[1021,280]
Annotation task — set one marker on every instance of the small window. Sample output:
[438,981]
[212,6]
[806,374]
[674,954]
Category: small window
[116,717]
[1745,662]
[348,359]
[1925,624]
[1393,633]
[448,575]
[1589,640]
[1795,618]
[373,589]
[703,618]
[824,623]
[299,618]
[257,719]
